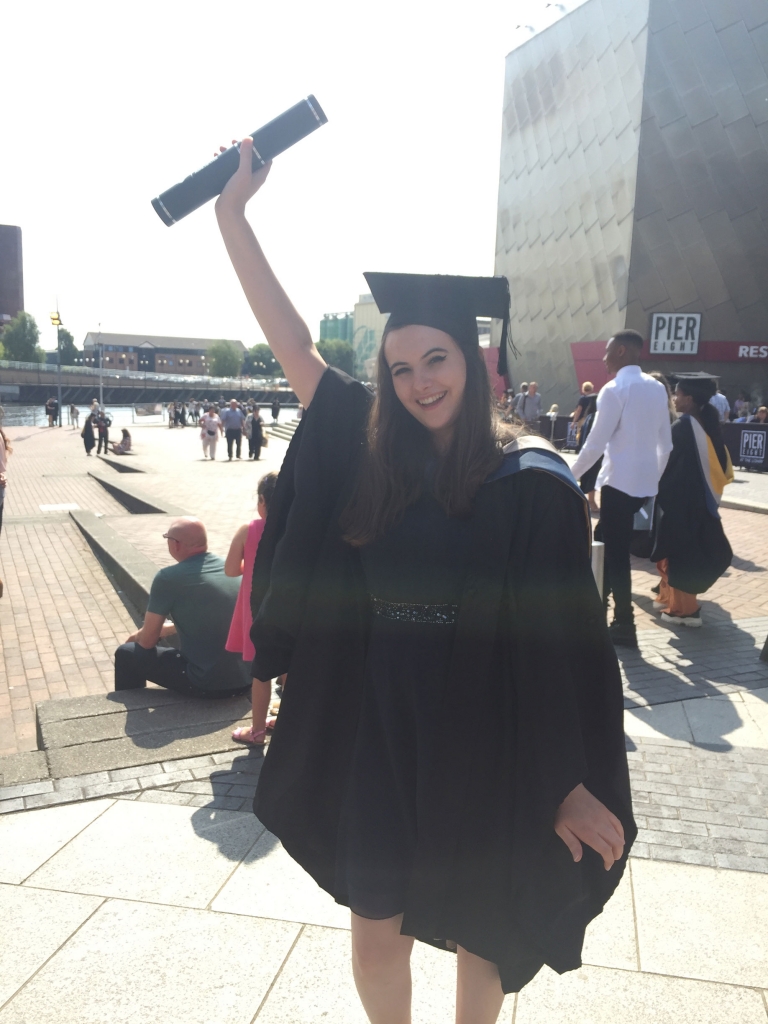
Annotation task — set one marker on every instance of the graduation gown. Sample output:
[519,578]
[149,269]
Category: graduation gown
[532,705]
[689,532]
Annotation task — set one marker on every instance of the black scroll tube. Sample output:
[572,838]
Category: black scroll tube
[274,138]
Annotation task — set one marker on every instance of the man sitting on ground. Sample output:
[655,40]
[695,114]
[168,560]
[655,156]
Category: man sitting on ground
[200,599]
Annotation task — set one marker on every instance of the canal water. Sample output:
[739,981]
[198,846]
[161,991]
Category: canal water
[122,415]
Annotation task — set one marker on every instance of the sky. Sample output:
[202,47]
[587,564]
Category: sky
[107,105]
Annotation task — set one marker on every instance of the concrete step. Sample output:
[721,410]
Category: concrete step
[104,732]
[284,431]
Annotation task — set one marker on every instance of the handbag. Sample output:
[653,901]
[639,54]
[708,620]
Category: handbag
[265,441]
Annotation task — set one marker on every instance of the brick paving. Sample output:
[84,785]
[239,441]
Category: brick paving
[673,665]
[60,621]
[700,806]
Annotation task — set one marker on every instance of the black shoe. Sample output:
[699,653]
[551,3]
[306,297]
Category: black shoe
[622,634]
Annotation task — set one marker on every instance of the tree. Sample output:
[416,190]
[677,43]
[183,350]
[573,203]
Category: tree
[224,359]
[339,354]
[69,351]
[20,340]
[259,362]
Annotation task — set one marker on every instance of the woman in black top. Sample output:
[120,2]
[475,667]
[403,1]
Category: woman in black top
[584,416]
[388,575]
[87,433]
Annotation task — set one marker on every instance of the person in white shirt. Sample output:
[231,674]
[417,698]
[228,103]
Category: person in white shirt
[632,431]
[722,405]
[210,429]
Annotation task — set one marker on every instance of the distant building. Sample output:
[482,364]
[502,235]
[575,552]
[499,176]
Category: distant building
[634,192]
[337,326]
[11,274]
[369,326]
[152,354]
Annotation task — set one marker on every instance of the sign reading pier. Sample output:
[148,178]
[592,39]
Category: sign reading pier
[675,333]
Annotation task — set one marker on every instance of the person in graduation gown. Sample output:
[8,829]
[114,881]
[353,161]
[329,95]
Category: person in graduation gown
[449,758]
[691,550]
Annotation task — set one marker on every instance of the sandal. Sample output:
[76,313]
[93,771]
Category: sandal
[248,737]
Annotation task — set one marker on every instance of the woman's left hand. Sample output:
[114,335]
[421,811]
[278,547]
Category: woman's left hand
[581,818]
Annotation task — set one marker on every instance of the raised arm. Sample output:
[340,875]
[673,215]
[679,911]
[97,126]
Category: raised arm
[285,331]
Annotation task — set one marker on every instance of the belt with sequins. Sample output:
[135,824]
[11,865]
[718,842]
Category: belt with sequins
[430,614]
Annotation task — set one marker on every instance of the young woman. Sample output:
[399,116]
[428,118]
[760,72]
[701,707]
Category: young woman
[87,433]
[406,553]
[239,562]
[691,550]
[122,446]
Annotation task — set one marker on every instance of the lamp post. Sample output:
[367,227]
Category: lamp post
[56,321]
[100,343]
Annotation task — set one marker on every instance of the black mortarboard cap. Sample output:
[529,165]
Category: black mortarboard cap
[693,375]
[698,381]
[445,302]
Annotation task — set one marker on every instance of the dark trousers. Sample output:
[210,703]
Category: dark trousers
[134,665]
[617,513]
[254,446]
[103,439]
[236,437]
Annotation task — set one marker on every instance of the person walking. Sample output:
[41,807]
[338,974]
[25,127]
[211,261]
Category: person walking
[239,562]
[254,431]
[103,423]
[233,421]
[529,407]
[275,409]
[5,451]
[690,549]
[87,433]
[210,429]
[411,543]
[631,431]
[74,416]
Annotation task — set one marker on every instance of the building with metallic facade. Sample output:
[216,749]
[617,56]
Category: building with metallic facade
[634,191]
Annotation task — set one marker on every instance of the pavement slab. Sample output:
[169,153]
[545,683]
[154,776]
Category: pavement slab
[700,922]
[146,964]
[154,853]
[21,911]
[27,841]
[595,995]
[269,883]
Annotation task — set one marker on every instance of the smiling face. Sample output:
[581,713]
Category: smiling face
[429,375]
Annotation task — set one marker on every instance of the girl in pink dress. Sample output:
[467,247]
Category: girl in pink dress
[239,562]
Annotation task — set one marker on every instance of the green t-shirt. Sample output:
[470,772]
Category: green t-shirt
[200,599]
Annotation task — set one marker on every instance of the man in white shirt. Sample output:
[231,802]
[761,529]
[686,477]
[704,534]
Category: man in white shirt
[632,431]
[722,405]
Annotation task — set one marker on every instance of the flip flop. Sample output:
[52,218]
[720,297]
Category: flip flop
[248,737]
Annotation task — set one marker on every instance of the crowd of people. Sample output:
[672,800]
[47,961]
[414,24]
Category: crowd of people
[233,421]
[660,454]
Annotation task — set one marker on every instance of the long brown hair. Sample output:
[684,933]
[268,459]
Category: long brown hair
[399,449]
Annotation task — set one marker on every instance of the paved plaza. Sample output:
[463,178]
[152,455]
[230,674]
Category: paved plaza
[164,899]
